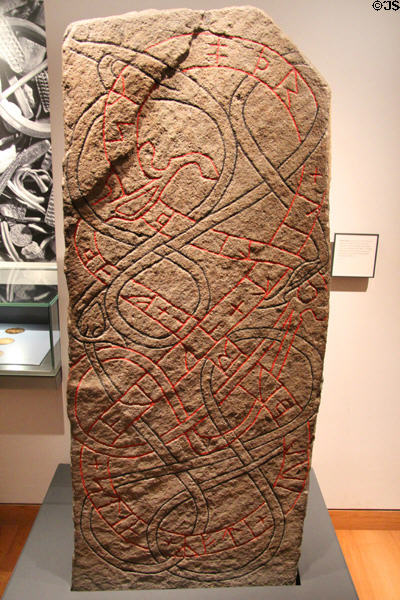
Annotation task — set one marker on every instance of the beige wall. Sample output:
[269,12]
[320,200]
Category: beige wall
[357,450]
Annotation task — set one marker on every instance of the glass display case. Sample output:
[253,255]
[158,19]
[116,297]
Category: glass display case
[29,324]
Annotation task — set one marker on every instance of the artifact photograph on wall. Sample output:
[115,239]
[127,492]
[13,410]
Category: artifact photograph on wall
[26,179]
[196,223]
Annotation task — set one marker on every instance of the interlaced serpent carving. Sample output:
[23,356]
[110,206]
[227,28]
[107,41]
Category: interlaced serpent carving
[197,263]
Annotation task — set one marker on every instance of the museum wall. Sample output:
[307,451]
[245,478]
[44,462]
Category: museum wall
[357,449]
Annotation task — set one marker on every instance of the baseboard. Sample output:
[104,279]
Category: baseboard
[365,519]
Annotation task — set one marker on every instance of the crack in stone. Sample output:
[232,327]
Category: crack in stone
[170,70]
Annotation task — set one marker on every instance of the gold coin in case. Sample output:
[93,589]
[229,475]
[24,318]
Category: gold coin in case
[4,341]
[15,330]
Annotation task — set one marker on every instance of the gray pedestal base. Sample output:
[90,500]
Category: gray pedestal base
[43,571]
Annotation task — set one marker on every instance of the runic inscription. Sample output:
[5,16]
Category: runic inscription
[196,192]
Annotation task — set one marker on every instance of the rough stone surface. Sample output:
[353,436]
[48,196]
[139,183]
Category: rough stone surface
[196,182]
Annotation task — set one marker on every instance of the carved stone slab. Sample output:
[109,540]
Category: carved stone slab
[196,192]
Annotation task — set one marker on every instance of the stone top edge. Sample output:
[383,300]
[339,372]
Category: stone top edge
[229,20]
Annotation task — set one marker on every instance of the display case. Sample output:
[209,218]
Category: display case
[29,324]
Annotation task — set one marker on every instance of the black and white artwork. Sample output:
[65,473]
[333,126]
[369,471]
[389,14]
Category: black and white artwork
[26,185]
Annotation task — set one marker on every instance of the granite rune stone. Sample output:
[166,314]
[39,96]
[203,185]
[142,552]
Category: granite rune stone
[196,221]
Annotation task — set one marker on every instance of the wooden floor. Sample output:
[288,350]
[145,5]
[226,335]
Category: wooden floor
[16,521]
[370,541]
